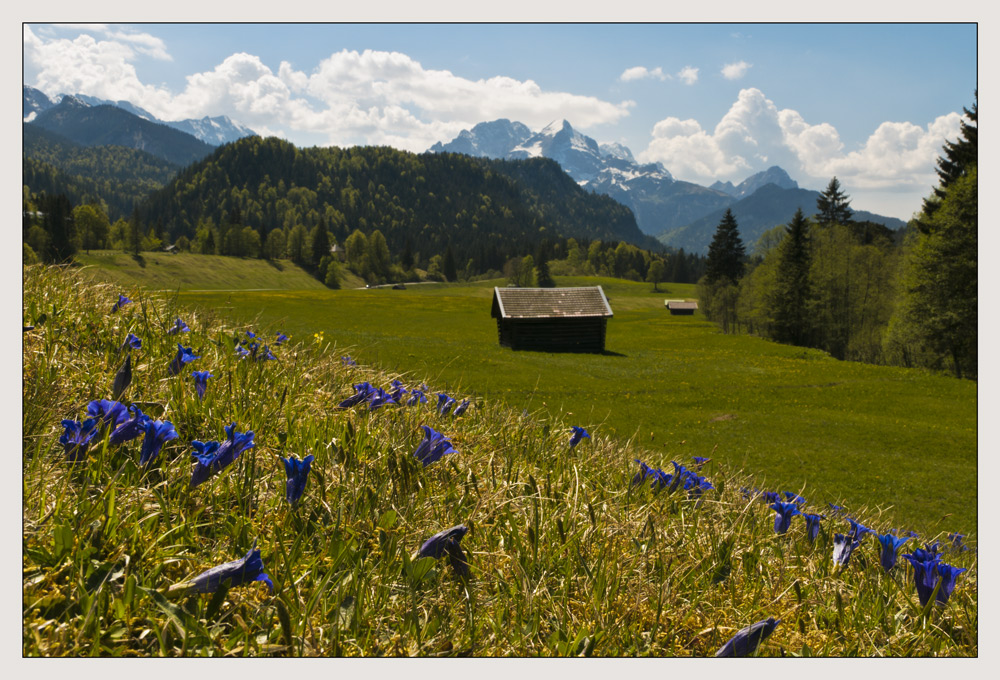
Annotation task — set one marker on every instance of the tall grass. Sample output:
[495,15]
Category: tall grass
[566,558]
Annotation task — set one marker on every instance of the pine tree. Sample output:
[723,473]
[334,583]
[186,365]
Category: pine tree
[959,157]
[790,300]
[726,254]
[939,306]
[320,243]
[448,266]
[833,206]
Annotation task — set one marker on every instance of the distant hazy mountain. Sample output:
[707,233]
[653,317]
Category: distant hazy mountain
[773,175]
[215,131]
[768,206]
[658,200]
[113,126]
[487,140]
[681,214]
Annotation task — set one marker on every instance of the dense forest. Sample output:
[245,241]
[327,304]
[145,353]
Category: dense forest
[113,177]
[381,212]
[856,289]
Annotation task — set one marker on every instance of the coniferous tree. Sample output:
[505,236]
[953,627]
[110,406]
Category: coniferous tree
[791,297]
[134,228]
[320,243]
[833,206]
[726,254]
[448,265]
[938,311]
[959,157]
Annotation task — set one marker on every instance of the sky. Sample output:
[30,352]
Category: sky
[871,104]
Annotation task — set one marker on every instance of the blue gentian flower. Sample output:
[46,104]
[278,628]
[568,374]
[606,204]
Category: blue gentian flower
[76,437]
[266,354]
[201,382]
[578,434]
[794,498]
[447,542]
[122,301]
[432,447]
[239,572]
[213,457]
[745,642]
[858,530]
[129,429]
[461,408]
[771,497]
[398,391]
[281,339]
[132,342]
[297,472]
[890,548]
[348,361]
[836,510]
[378,398]
[812,525]
[749,493]
[924,567]
[640,476]
[416,397]
[661,479]
[122,379]
[242,352]
[783,515]
[178,327]
[362,392]
[948,575]
[157,433]
[251,335]
[912,534]
[185,355]
[109,413]
[843,546]
[956,542]
[444,404]
[699,461]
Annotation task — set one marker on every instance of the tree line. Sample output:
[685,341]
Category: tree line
[855,289]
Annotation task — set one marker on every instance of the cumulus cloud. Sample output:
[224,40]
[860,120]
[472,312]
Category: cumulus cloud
[689,74]
[641,72]
[755,134]
[736,70]
[370,97]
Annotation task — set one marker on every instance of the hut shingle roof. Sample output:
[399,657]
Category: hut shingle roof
[546,303]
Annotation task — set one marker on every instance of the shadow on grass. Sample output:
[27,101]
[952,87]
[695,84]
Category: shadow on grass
[277,265]
[139,260]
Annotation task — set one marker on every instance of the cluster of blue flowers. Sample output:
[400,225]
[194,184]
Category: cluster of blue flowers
[682,478]
[929,571]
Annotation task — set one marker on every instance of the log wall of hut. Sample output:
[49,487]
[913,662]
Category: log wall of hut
[554,334]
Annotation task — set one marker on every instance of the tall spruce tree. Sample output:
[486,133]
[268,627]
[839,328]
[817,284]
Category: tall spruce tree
[791,297]
[959,157]
[726,254]
[448,266]
[833,205]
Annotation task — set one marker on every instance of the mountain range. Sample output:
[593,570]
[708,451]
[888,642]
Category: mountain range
[680,214]
[212,131]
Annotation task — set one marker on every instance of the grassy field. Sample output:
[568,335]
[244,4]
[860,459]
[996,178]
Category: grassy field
[563,555]
[903,441]
[187,271]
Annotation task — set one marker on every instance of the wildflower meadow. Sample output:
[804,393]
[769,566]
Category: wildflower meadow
[244,491]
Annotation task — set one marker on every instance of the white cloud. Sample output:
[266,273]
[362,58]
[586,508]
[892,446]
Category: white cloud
[641,72]
[689,74]
[736,70]
[754,134]
[371,97]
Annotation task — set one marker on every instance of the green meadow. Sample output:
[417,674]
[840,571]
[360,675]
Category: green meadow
[900,442]
[563,556]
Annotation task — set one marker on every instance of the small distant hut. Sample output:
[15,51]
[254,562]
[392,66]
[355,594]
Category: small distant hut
[681,306]
[552,319]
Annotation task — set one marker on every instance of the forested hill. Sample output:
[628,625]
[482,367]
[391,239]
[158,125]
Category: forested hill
[486,210]
[114,175]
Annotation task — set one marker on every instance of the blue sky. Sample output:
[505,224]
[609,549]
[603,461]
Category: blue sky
[871,104]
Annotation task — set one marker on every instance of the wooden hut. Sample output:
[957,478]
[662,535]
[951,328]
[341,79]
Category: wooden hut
[681,306]
[552,319]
